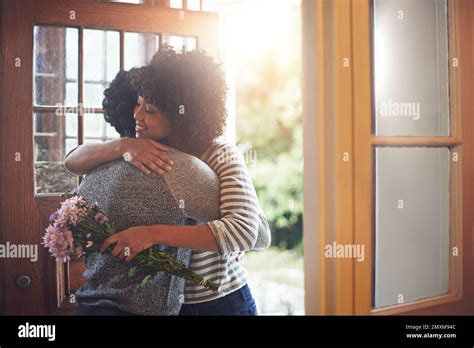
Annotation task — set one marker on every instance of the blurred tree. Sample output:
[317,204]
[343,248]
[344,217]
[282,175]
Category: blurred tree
[269,121]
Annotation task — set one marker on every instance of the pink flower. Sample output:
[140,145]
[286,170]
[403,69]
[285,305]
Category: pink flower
[57,242]
[71,210]
[54,216]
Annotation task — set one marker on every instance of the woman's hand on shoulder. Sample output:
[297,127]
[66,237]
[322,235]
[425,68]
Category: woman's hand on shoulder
[147,155]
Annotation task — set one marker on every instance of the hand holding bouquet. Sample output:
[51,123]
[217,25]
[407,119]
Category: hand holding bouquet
[81,228]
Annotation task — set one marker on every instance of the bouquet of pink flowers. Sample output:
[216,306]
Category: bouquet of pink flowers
[80,228]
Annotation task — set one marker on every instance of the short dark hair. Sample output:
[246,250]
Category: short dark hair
[119,102]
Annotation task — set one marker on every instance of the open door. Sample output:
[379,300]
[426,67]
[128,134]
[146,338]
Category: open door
[395,158]
[57,58]
[414,159]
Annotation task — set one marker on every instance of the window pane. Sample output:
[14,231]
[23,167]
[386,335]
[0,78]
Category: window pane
[94,94]
[71,143]
[190,43]
[412,224]
[94,55]
[176,3]
[110,131]
[92,141]
[194,5]
[212,6]
[139,49]
[71,93]
[71,126]
[411,67]
[101,63]
[54,136]
[177,42]
[112,54]
[55,65]
[127,1]
[94,126]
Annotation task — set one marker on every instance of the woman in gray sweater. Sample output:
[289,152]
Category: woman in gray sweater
[180,103]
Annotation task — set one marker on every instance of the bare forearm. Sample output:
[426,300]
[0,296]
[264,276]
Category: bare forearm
[197,237]
[89,156]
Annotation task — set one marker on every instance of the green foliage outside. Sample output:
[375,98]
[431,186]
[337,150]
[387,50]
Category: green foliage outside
[269,121]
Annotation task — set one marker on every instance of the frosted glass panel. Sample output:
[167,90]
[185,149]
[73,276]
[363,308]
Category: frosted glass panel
[411,68]
[412,224]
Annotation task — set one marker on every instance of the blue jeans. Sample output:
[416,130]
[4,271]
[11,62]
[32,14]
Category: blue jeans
[239,302]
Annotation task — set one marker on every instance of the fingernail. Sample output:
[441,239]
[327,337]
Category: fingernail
[168,168]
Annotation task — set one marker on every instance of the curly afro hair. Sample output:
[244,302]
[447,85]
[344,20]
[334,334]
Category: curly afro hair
[189,89]
[119,102]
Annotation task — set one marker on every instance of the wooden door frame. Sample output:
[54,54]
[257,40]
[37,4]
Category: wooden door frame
[50,283]
[328,154]
[341,120]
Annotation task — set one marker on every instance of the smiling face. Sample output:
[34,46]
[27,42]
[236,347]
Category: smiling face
[150,122]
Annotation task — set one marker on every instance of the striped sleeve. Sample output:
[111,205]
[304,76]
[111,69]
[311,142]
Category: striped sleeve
[238,228]
[264,235]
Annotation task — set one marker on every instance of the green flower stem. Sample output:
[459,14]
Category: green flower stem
[159,261]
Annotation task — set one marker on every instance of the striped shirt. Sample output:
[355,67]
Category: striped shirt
[242,227]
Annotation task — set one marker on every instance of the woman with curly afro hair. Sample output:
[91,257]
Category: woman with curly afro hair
[179,102]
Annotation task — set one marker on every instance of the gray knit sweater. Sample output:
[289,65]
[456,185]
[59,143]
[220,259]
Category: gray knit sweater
[187,194]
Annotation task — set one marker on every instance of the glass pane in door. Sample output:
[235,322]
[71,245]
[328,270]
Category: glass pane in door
[55,66]
[139,49]
[97,130]
[180,42]
[411,68]
[411,224]
[101,64]
[54,136]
